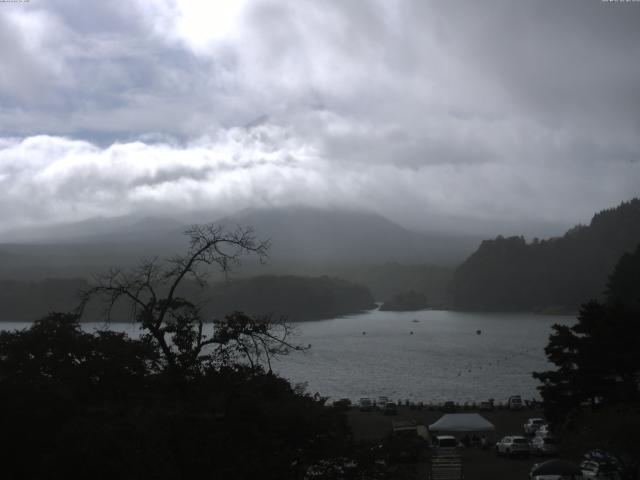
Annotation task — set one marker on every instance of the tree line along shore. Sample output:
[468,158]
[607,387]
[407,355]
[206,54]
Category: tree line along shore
[551,276]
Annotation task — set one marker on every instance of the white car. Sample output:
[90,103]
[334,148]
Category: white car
[547,445]
[532,425]
[598,471]
[445,445]
[513,445]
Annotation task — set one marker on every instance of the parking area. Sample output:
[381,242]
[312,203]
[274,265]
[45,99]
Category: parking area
[478,464]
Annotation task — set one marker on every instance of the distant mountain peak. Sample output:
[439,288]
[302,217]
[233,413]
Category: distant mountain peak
[334,235]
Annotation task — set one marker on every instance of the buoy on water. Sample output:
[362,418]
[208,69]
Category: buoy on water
[478,332]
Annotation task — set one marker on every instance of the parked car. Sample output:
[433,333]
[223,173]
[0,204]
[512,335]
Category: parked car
[343,403]
[515,403]
[513,445]
[448,406]
[556,469]
[382,401]
[592,470]
[390,408]
[602,456]
[445,445]
[486,406]
[411,428]
[625,465]
[543,430]
[366,404]
[532,425]
[544,445]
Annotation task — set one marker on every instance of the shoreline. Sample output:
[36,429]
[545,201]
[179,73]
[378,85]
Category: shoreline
[541,313]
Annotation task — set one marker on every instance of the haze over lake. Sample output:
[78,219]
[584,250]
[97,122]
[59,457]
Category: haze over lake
[444,359]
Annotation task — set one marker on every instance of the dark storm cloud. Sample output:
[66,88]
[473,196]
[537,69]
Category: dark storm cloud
[440,114]
[563,61]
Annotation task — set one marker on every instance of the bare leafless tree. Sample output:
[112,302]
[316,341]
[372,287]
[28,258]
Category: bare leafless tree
[174,323]
[252,339]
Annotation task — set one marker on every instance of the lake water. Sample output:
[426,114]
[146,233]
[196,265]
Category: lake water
[375,353]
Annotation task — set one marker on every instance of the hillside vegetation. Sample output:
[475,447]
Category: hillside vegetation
[293,297]
[363,248]
[296,298]
[557,274]
[405,302]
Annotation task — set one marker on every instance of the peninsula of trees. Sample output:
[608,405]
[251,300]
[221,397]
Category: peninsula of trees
[293,297]
[405,302]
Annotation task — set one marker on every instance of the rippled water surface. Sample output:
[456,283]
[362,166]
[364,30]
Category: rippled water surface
[375,353]
[443,359]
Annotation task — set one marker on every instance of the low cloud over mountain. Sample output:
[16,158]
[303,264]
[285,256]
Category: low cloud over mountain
[483,117]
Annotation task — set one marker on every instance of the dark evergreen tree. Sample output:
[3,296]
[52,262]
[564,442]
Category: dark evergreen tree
[597,359]
[596,382]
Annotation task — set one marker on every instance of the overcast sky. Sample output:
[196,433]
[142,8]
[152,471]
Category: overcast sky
[491,117]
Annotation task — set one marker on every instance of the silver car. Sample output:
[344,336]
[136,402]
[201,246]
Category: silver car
[544,445]
[543,431]
[532,425]
[445,445]
[513,445]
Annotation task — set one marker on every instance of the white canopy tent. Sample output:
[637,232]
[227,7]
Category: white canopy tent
[462,423]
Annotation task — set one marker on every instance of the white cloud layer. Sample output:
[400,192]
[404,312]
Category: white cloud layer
[466,116]
[45,178]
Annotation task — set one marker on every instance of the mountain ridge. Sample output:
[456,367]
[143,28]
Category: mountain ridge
[556,274]
[298,234]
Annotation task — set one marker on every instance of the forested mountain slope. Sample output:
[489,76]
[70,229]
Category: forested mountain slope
[557,274]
